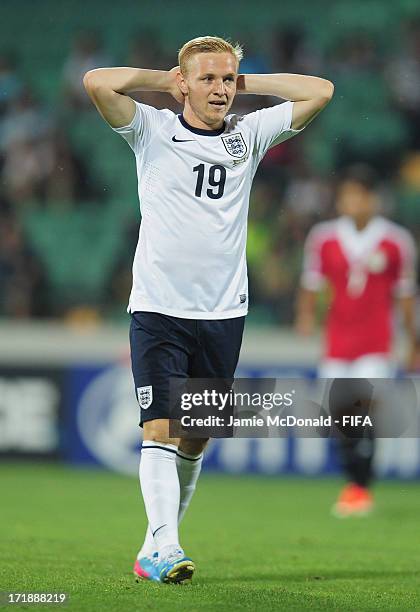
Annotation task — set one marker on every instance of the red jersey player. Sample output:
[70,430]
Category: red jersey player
[369,265]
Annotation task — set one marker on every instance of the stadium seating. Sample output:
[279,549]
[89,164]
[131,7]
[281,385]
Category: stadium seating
[359,123]
[78,247]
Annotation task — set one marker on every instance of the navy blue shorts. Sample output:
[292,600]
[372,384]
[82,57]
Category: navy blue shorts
[164,347]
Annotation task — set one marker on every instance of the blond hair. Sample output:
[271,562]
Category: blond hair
[207,44]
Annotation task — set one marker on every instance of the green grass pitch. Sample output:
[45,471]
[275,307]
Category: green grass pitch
[259,544]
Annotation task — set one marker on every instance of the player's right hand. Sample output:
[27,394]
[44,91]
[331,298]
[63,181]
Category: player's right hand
[304,325]
[173,88]
[412,363]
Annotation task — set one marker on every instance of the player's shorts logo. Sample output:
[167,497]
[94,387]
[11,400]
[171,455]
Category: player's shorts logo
[235,145]
[145,396]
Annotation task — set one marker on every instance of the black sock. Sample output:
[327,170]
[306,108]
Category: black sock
[352,397]
[356,456]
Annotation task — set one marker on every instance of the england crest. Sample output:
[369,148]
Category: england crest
[145,396]
[235,145]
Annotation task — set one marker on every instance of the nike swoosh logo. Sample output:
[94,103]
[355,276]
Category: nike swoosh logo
[156,530]
[175,139]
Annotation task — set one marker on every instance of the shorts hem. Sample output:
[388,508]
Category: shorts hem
[151,418]
[380,354]
[181,314]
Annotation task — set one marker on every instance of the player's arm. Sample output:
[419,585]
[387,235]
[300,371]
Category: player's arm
[405,292]
[305,311]
[309,94]
[311,283]
[108,89]
[407,308]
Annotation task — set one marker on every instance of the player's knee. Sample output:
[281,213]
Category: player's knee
[157,430]
[194,446]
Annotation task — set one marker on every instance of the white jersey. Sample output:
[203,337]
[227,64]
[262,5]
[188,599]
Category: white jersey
[194,188]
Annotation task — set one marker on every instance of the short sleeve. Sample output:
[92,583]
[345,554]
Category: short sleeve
[405,285]
[271,126]
[313,277]
[145,122]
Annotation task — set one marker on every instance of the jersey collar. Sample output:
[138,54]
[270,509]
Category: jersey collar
[199,131]
[357,244]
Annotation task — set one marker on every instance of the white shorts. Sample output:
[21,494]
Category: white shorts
[367,366]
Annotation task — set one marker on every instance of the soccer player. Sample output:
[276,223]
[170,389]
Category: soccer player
[189,296]
[369,265]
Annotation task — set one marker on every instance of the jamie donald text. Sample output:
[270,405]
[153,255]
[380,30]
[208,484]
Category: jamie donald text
[276,421]
[265,408]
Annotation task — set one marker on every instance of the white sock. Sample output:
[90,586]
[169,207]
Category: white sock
[189,468]
[149,546]
[160,488]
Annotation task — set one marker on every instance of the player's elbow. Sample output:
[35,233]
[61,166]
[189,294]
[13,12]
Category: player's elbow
[324,95]
[326,91]
[95,79]
[89,81]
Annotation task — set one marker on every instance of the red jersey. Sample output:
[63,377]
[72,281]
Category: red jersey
[366,269]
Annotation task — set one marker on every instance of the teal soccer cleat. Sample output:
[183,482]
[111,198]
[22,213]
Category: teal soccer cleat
[176,568]
[146,568]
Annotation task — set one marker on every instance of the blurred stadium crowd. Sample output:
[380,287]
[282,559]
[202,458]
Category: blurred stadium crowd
[68,203]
